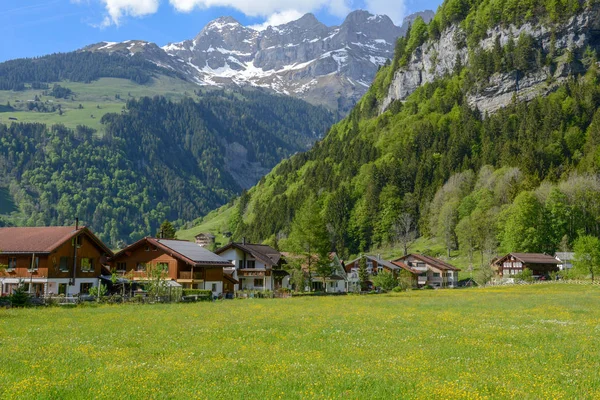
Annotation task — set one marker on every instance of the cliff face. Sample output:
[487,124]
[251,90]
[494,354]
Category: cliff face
[435,59]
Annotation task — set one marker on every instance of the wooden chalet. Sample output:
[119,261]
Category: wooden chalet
[186,263]
[375,265]
[335,282]
[431,271]
[51,260]
[515,263]
[256,266]
[205,239]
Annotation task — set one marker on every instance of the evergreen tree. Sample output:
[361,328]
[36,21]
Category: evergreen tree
[20,297]
[363,273]
[167,230]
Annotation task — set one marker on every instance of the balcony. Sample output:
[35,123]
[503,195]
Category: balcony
[187,275]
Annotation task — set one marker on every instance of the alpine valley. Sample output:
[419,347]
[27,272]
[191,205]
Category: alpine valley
[481,137]
[125,135]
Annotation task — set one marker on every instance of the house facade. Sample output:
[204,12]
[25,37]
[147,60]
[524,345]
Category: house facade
[51,260]
[188,264]
[255,266]
[334,282]
[431,271]
[515,263]
[205,239]
[375,265]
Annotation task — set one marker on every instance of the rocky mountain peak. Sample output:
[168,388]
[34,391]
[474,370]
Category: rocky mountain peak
[332,66]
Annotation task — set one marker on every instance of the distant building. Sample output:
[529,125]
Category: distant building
[431,271]
[566,260]
[375,265]
[335,282]
[205,239]
[515,263]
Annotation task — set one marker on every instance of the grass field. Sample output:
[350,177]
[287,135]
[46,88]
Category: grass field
[535,342]
[97,98]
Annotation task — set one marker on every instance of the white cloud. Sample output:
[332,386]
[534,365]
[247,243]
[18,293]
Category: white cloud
[274,12]
[279,18]
[267,8]
[117,9]
[393,9]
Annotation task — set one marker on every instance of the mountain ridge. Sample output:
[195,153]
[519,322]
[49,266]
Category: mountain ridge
[330,66]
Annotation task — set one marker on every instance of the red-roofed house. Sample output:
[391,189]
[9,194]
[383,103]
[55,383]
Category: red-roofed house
[51,260]
[189,264]
[431,271]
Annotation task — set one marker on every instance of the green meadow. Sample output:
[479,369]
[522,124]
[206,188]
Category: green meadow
[106,95]
[525,342]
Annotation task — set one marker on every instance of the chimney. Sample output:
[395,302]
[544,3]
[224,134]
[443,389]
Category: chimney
[379,256]
[244,240]
[76,223]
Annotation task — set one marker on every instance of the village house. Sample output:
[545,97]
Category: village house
[431,271]
[51,260]
[565,260]
[255,266]
[375,265]
[205,239]
[335,282]
[515,263]
[183,262]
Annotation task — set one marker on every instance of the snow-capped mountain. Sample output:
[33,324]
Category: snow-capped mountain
[333,66]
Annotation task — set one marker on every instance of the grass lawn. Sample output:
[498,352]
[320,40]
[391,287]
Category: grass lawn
[533,342]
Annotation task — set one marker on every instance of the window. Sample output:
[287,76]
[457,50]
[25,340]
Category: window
[121,266]
[250,264]
[379,268]
[141,267]
[87,264]
[214,287]
[64,264]
[258,282]
[35,262]
[12,263]
[332,285]
[163,266]
[436,275]
[84,288]
[62,288]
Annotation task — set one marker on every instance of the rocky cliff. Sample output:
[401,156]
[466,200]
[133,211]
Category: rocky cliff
[437,58]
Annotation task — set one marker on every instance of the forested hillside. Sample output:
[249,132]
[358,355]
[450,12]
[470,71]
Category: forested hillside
[157,159]
[76,67]
[521,179]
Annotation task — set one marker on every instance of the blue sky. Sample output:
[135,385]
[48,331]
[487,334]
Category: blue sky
[30,28]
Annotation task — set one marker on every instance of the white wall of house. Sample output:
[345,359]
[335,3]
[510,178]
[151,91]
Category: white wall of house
[249,283]
[336,286]
[236,255]
[51,286]
[215,286]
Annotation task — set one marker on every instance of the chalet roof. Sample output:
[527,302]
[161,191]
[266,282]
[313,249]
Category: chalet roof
[434,262]
[265,253]
[205,234]
[378,260]
[183,250]
[565,256]
[531,258]
[405,267]
[42,240]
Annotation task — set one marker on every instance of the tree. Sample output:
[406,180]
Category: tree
[587,255]
[167,231]
[385,280]
[20,297]
[363,273]
[525,229]
[404,232]
[467,237]
[308,236]
[156,284]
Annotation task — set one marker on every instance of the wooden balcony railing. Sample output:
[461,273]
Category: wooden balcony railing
[188,275]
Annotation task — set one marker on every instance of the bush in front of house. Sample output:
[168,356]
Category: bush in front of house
[197,292]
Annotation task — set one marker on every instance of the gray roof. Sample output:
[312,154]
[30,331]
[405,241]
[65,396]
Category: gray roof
[565,256]
[193,252]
